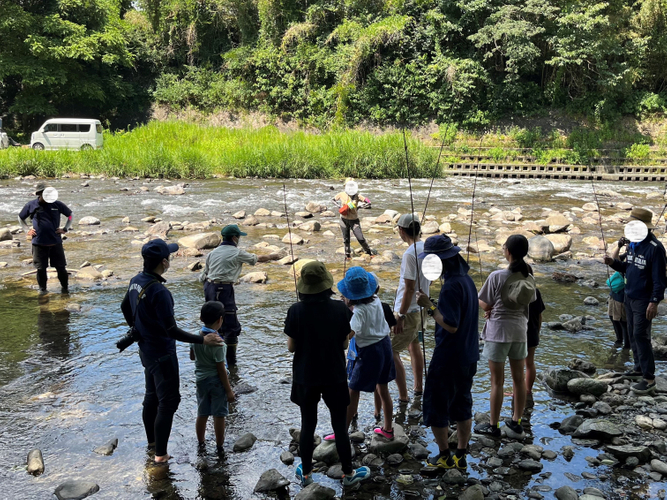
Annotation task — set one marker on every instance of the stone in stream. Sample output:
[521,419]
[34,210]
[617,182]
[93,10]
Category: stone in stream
[557,223]
[176,190]
[314,207]
[474,492]
[563,277]
[315,491]
[89,221]
[89,273]
[304,215]
[549,455]
[310,226]
[622,452]
[582,366]
[560,242]
[76,490]
[270,481]
[644,422]
[431,227]
[335,472]
[598,429]
[557,379]
[567,452]
[244,388]
[592,386]
[35,462]
[5,234]
[357,437]
[602,408]
[453,476]
[251,221]
[245,442]
[530,465]
[659,466]
[195,266]
[591,301]
[107,449]
[394,459]
[255,277]
[160,229]
[295,239]
[566,493]
[418,451]
[287,458]
[201,241]
[533,451]
[287,260]
[382,446]
[262,212]
[239,215]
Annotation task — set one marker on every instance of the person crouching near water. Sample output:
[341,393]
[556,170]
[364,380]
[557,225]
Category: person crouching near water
[374,366]
[348,203]
[318,330]
[148,306]
[505,297]
[214,393]
[447,393]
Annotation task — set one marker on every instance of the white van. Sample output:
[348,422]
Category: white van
[68,133]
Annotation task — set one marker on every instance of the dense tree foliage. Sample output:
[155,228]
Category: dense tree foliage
[334,62]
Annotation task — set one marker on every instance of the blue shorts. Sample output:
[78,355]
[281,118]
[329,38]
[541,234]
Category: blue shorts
[374,365]
[211,398]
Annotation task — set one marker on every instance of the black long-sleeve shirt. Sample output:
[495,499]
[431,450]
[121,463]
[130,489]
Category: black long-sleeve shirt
[644,270]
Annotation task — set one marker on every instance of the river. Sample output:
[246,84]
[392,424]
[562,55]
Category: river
[65,389]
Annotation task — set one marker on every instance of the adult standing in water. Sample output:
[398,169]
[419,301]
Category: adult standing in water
[448,392]
[222,270]
[505,297]
[148,306]
[645,284]
[47,243]
[348,203]
[409,315]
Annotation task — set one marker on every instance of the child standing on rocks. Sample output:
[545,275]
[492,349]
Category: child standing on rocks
[213,389]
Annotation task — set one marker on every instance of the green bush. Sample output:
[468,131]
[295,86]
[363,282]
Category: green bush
[638,152]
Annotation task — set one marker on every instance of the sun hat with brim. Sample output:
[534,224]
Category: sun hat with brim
[40,187]
[315,278]
[440,245]
[646,216]
[357,284]
[518,291]
[232,230]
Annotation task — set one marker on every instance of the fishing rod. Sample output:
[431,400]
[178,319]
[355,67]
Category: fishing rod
[597,202]
[472,214]
[664,192]
[291,247]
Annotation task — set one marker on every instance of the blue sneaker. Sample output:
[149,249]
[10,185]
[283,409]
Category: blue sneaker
[358,475]
[305,480]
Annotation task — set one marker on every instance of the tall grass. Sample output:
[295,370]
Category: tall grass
[185,150]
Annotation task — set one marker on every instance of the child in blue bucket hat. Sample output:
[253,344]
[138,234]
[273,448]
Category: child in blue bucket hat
[374,366]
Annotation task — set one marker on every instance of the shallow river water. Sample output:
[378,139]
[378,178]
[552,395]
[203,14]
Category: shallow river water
[65,390]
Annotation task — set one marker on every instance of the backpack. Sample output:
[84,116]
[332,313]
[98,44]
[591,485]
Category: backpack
[616,282]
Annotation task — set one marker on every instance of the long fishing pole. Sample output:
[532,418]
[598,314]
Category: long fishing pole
[472,214]
[597,202]
[664,192]
[414,239]
[291,247]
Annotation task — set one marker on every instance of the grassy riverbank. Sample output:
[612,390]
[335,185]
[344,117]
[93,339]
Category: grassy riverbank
[186,150]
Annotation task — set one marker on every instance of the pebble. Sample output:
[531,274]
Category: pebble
[591,301]
[35,462]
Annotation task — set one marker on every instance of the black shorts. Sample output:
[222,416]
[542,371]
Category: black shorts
[533,339]
[42,255]
[447,393]
[334,396]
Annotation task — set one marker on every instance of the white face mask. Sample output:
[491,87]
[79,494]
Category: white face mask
[166,264]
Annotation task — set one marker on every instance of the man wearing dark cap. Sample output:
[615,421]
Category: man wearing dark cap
[447,393]
[148,306]
[47,244]
[222,270]
[645,283]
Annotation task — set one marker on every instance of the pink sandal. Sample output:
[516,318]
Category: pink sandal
[384,433]
[330,437]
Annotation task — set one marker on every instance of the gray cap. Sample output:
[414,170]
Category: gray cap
[405,220]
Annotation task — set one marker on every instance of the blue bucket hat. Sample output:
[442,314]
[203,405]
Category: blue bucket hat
[357,284]
[440,245]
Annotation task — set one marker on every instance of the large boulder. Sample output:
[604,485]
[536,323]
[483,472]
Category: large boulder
[579,386]
[561,242]
[89,221]
[201,241]
[540,249]
[598,429]
[262,212]
[557,379]
[431,227]
[382,446]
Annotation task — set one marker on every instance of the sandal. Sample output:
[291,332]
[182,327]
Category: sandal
[384,433]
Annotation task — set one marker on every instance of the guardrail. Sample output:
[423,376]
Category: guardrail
[557,171]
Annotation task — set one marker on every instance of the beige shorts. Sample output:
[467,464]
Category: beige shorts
[411,327]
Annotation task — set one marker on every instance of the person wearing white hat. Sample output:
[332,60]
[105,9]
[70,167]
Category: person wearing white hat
[348,202]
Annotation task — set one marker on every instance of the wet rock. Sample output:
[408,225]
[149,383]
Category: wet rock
[287,260]
[509,450]
[89,273]
[567,452]
[5,234]
[328,234]
[304,215]
[160,229]
[195,266]
[549,455]
[474,492]
[382,446]
[3,264]
[644,422]
[602,408]
[73,307]
[557,379]
[557,223]
[176,190]
[314,207]
[540,249]
[255,277]
[659,466]
[598,429]
[35,462]
[200,241]
[269,481]
[587,386]
[582,366]
[295,238]
[244,388]
[566,493]
[315,491]
[107,449]
[574,325]
[245,442]
[250,221]
[239,215]
[357,437]
[622,452]
[561,242]
[453,476]
[326,452]
[530,465]
[287,458]
[89,221]
[418,451]
[591,301]
[262,212]
[563,277]
[394,459]
[311,226]
[431,227]
[76,490]
[533,451]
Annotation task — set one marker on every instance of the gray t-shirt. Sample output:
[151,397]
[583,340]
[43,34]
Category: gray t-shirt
[504,325]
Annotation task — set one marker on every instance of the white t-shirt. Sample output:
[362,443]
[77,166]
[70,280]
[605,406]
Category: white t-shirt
[368,323]
[409,271]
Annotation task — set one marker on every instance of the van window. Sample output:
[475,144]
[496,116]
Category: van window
[98,127]
[84,127]
[68,127]
[51,127]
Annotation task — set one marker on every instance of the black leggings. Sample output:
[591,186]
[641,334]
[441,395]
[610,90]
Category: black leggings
[347,225]
[339,424]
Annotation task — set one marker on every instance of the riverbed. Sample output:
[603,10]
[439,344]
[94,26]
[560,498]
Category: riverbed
[65,389]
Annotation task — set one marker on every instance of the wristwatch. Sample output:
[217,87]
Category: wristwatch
[431,310]
[401,316]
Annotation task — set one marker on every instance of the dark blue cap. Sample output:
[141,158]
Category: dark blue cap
[158,249]
[440,245]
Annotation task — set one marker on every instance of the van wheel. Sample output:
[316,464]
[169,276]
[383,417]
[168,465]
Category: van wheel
[38,146]
[86,147]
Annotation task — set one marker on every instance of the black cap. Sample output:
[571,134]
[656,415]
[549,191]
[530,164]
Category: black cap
[211,312]
[158,249]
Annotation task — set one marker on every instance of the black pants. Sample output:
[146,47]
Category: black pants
[347,225]
[42,255]
[337,399]
[621,330]
[161,399]
[231,328]
[639,330]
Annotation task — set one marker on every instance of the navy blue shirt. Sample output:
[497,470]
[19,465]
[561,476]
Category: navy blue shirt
[45,220]
[459,306]
[156,307]
[644,270]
